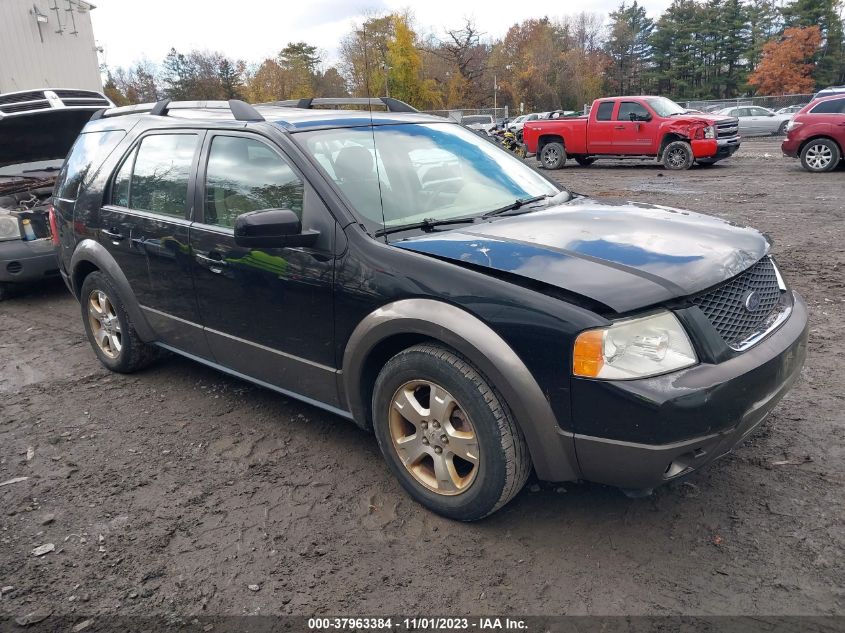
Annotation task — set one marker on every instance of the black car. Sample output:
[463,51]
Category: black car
[37,129]
[400,271]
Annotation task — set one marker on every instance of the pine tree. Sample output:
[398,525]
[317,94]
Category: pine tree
[629,48]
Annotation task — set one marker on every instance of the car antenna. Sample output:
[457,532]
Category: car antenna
[372,128]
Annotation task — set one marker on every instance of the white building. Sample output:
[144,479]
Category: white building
[47,44]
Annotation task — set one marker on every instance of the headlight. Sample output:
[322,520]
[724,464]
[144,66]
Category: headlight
[710,131]
[792,125]
[633,348]
[9,228]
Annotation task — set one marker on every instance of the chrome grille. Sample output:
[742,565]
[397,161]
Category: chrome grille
[727,129]
[725,305]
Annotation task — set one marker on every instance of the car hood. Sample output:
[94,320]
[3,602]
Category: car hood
[40,136]
[625,256]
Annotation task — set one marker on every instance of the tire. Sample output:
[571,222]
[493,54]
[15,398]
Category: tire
[121,350]
[6,291]
[678,156]
[477,423]
[552,156]
[820,155]
[584,161]
[782,129]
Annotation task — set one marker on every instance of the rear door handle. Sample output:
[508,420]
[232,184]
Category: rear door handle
[113,235]
[619,127]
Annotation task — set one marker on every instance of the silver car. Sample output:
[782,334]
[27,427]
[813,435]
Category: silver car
[757,121]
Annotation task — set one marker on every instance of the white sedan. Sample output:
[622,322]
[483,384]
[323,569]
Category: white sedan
[757,121]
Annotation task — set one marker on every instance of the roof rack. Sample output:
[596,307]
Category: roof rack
[392,105]
[241,110]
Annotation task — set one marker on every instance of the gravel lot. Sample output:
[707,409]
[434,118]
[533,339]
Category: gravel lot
[175,489]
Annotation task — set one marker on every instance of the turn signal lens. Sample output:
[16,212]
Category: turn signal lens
[633,348]
[588,357]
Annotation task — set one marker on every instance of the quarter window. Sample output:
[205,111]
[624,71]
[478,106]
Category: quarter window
[155,176]
[605,112]
[245,175]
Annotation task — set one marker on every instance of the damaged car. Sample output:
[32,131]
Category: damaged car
[37,129]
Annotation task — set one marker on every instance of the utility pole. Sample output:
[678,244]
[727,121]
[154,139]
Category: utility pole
[495,95]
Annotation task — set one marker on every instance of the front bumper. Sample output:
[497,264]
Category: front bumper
[22,262]
[715,148]
[692,416]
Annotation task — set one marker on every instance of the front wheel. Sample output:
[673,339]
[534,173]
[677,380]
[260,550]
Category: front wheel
[552,156]
[447,435]
[782,129]
[820,155]
[678,155]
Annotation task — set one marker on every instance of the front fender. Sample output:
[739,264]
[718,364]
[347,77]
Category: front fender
[552,449]
[91,253]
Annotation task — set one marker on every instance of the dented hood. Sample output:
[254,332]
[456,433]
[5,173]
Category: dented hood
[626,256]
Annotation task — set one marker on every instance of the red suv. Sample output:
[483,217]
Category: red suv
[817,134]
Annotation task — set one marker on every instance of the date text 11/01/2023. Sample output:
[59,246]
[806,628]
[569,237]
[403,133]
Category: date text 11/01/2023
[417,624]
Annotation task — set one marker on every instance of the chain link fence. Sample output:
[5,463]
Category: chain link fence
[458,114]
[771,102]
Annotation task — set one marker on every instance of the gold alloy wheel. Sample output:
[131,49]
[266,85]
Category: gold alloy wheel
[105,325]
[434,438]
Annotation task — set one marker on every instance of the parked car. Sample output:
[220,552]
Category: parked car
[518,123]
[757,121]
[817,134]
[793,109]
[831,91]
[634,127]
[37,129]
[399,270]
[482,122]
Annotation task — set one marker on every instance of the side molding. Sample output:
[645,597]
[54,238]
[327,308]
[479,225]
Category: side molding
[94,253]
[552,450]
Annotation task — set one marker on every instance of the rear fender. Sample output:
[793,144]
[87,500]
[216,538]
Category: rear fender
[90,255]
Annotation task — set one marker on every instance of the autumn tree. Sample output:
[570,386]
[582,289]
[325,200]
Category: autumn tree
[786,66]
[404,64]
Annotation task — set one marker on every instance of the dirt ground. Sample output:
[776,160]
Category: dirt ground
[176,489]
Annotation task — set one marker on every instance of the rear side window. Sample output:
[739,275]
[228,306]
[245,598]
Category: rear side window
[834,106]
[86,156]
[154,177]
[605,112]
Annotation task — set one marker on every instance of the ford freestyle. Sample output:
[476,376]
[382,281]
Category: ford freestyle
[816,134]
[634,127]
[398,270]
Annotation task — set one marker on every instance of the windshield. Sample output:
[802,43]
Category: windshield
[470,120]
[665,107]
[401,174]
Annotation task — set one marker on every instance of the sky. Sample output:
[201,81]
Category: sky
[256,29]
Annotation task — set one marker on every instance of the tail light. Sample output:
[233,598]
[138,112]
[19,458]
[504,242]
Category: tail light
[54,225]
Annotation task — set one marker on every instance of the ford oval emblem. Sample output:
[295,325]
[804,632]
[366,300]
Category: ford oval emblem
[752,301]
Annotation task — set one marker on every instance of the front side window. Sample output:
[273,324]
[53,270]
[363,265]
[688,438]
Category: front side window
[834,106]
[400,174]
[154,177]
[605,112]
[665,107]
[246,175]
[627,108]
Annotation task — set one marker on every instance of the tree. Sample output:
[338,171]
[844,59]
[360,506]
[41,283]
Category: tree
[787,65]
[300,62]
[826,14]
[405,68]
[628,48]
[363,55]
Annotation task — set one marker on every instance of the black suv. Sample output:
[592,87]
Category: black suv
[396,269]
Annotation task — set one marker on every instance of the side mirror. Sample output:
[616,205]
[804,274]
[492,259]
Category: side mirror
[272,228]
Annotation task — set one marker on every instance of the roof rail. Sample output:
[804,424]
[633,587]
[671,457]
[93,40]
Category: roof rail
[240,110]
[393,105]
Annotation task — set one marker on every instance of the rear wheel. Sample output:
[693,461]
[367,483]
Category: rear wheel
[584,161]
[678,155]
[447,435]
[782,129]
[109,327]
[552,156]
[820,155]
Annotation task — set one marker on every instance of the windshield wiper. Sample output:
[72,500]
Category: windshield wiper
[427,224]
[517,204]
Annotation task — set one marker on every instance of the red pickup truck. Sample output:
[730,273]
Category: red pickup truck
[634,127]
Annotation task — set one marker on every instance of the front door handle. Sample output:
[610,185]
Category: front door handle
[114,236]
[619,127]
[214,264]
